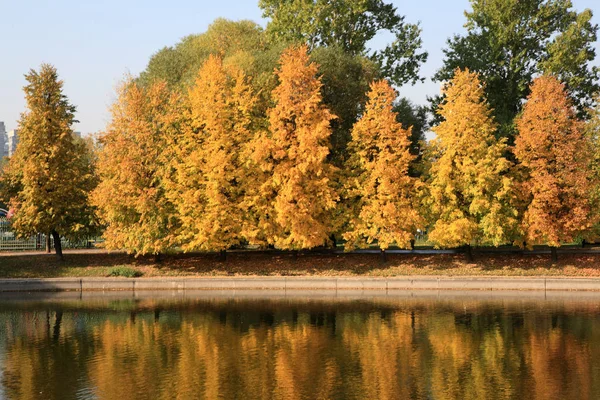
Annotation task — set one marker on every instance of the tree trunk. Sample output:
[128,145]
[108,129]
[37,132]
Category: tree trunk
[223,255]
[57,245]
[383,256]
[157,258]
[469,253]
[554,254]
[412,244]
[333,242]
[48,244]
[583,244]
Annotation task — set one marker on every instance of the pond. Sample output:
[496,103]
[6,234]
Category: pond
[410,346]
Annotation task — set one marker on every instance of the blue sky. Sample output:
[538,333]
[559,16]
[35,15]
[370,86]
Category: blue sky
[95,43]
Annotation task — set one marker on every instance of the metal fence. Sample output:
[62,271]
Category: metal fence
[10,242]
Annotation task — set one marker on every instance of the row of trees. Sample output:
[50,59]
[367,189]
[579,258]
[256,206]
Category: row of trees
[207,171]
[208,148]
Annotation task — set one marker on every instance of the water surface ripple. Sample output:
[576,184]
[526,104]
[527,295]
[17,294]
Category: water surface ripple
[218,347]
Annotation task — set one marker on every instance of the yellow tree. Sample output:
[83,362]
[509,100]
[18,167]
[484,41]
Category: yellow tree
[384,193]
[470,192]
[208,183]
[48,179]
[131,195]
[555,154]
[294,202]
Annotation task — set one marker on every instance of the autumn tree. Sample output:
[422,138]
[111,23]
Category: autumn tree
[469,189]
[48,179]
[509,42]
[293,202]
[131,195]
[208,185]
[386,210]
[555,153]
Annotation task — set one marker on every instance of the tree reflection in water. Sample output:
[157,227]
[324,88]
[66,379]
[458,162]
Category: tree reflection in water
[300,349]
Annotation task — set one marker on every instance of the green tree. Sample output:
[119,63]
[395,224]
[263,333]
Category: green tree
[350,25]
[49,178]
[508,42]
[416,120]
[233,41]
[386,206]
[470,192]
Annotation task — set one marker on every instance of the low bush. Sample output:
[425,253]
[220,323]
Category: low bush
[126,272]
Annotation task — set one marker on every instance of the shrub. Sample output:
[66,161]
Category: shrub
[126,272]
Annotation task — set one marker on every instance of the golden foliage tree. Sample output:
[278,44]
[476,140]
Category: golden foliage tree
[293,203]
[208,183]
[131,195]
[470,190]
[555,154]
[385,209]
[48,179]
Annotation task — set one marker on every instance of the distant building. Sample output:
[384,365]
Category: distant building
[3,140]
[13,140]
[78,134]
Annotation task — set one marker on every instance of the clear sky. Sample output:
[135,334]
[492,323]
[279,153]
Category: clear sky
[95,43]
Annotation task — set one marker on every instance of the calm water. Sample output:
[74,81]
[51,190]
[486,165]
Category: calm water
[300,348]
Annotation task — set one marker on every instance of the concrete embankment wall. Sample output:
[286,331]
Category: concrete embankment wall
[303,283]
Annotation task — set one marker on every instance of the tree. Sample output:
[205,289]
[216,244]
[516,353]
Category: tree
[470,189]
[350,25]
[415,119]
[293,204]
[48,179]
[233,41]
[508,42]
[555,153]
[208,185]
[386,209]
[131,195]
[345,78]
[244,45]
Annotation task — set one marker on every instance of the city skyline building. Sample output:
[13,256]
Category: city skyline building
[13,140]
[3,141]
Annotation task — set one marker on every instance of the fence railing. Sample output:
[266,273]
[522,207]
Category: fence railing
[10,242]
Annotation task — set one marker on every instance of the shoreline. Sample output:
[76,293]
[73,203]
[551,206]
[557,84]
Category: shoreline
[309,283]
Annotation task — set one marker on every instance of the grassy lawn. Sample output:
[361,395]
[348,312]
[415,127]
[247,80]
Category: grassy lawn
[81,264]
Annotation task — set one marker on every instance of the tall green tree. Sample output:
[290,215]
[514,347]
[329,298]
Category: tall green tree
[350,25]
[50,176]
[508,42]
[416,119]
[470,191]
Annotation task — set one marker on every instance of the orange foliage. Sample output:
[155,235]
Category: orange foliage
[555,154]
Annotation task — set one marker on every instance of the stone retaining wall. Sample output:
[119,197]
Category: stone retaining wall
[302,283]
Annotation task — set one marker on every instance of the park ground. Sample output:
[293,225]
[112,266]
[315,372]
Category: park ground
[99,263]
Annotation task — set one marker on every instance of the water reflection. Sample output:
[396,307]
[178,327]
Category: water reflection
[397,348]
